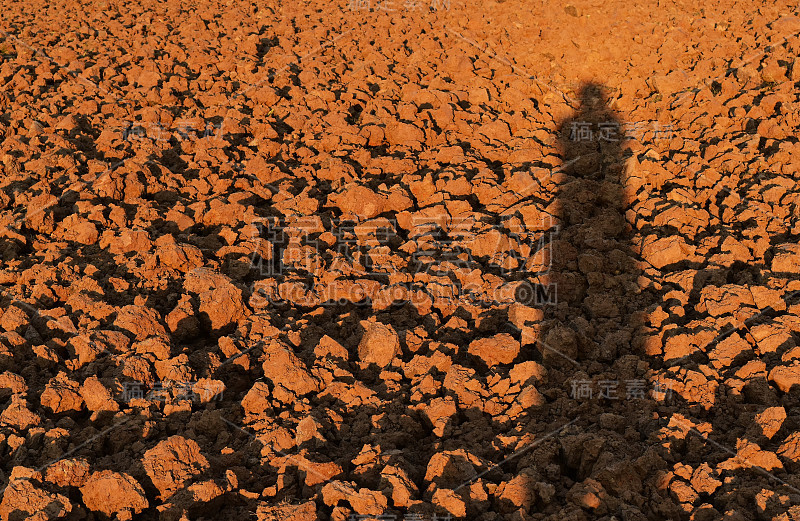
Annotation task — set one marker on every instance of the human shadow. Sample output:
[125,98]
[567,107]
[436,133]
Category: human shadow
[632,358]
[591,340]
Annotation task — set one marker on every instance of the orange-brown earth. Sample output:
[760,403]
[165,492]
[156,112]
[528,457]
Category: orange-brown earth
[280,259]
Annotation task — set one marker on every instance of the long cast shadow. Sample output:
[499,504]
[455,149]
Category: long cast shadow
[612,347]
[592,339]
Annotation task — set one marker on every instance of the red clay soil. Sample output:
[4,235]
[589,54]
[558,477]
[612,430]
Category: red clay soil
[399,259]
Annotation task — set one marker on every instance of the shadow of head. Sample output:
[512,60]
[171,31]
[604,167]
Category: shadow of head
[590,141]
